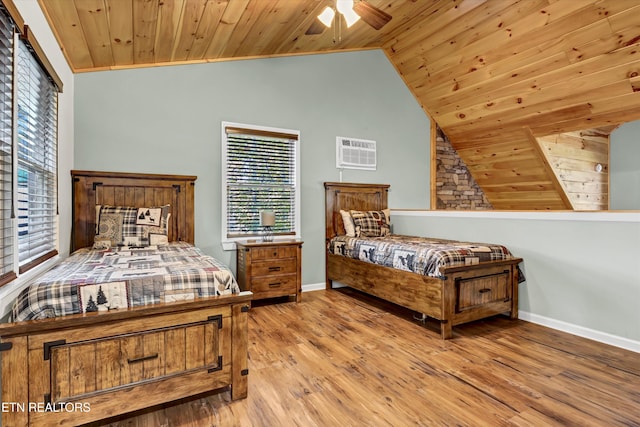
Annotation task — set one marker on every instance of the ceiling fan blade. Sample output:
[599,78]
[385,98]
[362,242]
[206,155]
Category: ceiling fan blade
[316,27]
[371,14]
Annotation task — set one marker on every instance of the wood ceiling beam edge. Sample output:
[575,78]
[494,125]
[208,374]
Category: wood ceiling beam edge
[215,60]
[433,164]
[557,184]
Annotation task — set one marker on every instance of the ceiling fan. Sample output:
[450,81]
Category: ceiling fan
[352,12]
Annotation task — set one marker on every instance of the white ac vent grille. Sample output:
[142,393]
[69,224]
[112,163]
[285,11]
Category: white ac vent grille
[354,153]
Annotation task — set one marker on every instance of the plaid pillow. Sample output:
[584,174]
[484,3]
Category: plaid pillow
[129,226]
[371,223]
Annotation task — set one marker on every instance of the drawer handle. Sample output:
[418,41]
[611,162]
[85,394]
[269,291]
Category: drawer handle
[484,291]
[274,268]
[143,358]
[275,285]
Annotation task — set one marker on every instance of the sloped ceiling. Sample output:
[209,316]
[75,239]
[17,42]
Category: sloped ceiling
[494,74]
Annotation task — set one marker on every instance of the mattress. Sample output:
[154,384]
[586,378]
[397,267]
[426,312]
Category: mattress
[118,278]
[422,255]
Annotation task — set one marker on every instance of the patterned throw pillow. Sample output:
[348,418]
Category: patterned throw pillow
[372,223]
[129,226]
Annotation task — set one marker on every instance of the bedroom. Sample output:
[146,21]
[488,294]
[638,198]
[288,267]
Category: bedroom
[587,284]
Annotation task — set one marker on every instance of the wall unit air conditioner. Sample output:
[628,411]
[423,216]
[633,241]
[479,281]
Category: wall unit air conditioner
[352,153]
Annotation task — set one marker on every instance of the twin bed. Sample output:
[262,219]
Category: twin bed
[144,319]
[452,282]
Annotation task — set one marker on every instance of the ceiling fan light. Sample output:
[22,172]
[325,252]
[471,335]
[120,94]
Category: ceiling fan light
[344,6]
[326,17]
[351,17]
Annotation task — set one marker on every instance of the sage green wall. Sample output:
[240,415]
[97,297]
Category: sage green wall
[584,273]
[167,120]
[624,167]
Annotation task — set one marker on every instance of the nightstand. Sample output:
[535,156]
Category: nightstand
[270,269]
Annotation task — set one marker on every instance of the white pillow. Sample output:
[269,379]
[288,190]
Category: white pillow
[349,227]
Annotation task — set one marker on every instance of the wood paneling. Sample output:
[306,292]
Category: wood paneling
[500,74]
[574,158]
[104,34]
[484,70]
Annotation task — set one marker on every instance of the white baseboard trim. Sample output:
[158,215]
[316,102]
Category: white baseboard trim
[319,286]
[313,287]
[581,331]
[559,325]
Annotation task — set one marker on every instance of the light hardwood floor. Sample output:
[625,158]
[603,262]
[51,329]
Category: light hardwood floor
[340,358]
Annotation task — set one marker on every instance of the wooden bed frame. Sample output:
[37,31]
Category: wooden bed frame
[81,368]
[466,293]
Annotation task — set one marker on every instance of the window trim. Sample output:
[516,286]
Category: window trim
[8,271]
[228,243]
[24,273]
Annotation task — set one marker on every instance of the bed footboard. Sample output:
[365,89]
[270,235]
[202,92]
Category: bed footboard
[467,293]
[82,368]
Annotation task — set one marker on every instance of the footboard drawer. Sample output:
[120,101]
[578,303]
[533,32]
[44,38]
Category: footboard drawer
[99,365]
[473,292]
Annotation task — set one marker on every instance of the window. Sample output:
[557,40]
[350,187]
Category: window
[260,173]
[6,153]
[28,154]
[36,203]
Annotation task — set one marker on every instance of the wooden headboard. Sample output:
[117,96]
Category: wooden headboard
[92,188]
[346,196]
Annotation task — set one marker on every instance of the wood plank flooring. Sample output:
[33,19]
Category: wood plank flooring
[340,358]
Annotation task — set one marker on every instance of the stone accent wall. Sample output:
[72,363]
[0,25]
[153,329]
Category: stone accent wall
[455,187]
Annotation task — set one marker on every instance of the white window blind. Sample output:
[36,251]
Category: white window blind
[260,175]
[36,198]
[6,155]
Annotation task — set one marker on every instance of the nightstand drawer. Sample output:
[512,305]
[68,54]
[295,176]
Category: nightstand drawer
[271,267]
[269,286]
[273,252]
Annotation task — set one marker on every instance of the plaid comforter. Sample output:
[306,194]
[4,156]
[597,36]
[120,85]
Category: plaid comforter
[420,255]
[102,280]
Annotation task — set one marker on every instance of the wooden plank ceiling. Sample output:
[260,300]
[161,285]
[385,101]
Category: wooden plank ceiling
[496,75]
